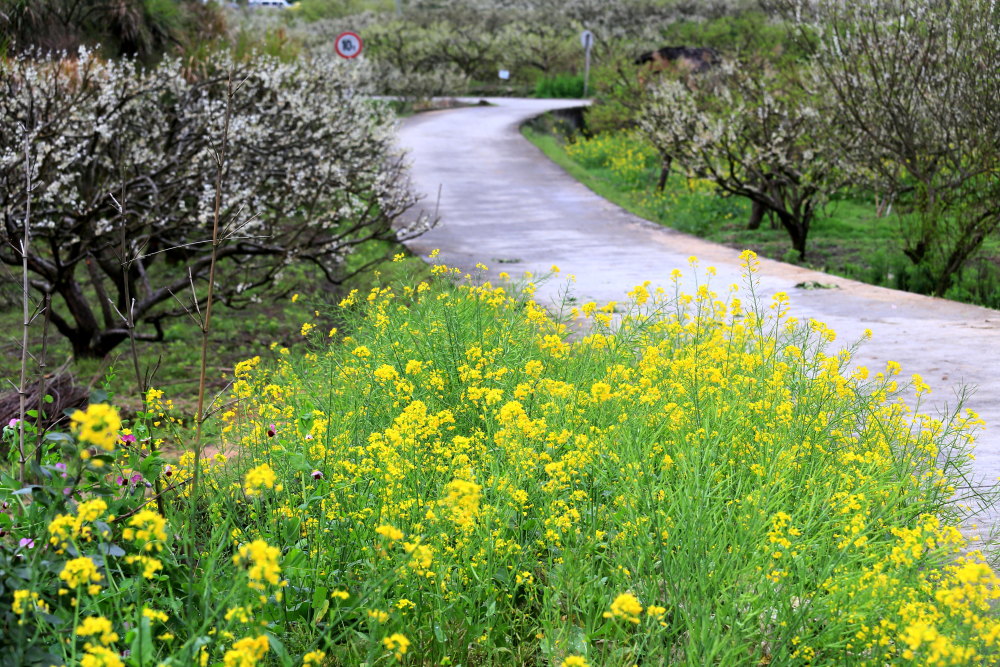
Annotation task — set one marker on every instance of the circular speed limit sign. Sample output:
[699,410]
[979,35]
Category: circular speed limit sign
[348,45]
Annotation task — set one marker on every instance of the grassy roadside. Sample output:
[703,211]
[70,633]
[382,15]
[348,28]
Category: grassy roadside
[846,239]
[456,484]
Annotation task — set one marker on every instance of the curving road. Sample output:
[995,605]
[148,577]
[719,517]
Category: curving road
[503,203]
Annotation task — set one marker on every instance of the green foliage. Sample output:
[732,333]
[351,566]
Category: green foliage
[746,34]
[632,166]
[315,10]
[560,85]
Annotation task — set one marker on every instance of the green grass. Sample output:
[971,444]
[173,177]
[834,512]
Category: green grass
[560,85]
[847,238]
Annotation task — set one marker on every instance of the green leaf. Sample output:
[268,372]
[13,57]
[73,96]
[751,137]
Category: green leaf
[295,558]
[319,595]
[321,611]
[150,466]
[48,398]
[111,550]
[279,650]
[107,458]
[142,645]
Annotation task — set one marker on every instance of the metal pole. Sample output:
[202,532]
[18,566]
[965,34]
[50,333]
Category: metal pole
[587,42]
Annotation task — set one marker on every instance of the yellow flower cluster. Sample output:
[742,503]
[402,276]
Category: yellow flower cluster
[261,563]
[81,572]
[100,656]
[259,478]
[627,156]
[67,528]
[397,644]
[147,528]
[26,602]
[97,426]
[246,652]
[99,627]
[626,606]
[461,501]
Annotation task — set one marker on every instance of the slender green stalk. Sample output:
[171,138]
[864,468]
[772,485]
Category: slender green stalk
[22,388]
[206,322]
[42,380]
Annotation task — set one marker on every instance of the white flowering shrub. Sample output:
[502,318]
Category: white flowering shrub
[123,164]
[754,133]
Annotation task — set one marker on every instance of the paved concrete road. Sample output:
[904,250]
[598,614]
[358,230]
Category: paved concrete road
[504,204]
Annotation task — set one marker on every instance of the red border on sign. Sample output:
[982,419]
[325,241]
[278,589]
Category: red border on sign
[336,44]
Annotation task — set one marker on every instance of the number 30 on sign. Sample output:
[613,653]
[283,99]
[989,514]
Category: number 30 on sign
[348,45]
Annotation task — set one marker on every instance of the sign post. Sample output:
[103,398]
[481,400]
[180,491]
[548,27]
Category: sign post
[348,45]
[587,41]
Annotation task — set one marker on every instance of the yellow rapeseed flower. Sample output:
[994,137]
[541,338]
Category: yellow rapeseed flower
[33,600]
[100,656]
[150,565]
[155,615]
[261,563]
[379,615]
[97,626]
[257,478]
[97,426]
[246,652]
[91,510]
[625,606]
[390,532]
[397,643]
[80,571]
[148,528]
[462,501]
[313,657]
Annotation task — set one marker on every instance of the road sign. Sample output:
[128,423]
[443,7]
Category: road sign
[348,45]
[586,39]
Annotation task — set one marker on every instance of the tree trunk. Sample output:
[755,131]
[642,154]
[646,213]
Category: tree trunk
[798,230]
[757,211]
[917,253]
[664,173]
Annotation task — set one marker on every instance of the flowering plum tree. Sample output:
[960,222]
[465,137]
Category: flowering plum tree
[917,82]
[122,169]
[756,133]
